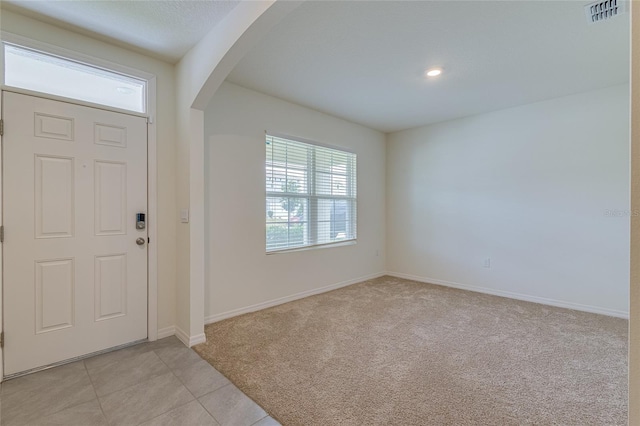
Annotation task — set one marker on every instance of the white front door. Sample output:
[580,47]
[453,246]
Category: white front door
[75,276]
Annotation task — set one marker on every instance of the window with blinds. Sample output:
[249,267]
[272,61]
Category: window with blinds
[311,194]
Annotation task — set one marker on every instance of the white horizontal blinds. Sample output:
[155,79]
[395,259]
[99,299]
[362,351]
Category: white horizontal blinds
[288,192]
[335,190]
[310,194]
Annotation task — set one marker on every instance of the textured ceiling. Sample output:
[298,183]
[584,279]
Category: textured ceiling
[363,61]
[163,29]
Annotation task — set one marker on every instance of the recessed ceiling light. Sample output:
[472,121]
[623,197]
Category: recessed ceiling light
[433,72]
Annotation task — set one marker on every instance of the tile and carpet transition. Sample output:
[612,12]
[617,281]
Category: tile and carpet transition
[397,352]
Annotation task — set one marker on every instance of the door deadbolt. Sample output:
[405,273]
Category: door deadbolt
[141,222]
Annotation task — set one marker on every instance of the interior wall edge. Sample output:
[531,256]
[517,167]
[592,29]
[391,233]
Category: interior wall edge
[189,340]
[516,296]
[281,300]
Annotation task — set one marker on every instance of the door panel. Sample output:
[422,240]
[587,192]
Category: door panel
[54,203]
[54,294]
[75,281]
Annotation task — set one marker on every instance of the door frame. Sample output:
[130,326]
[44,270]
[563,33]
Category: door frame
[152,170]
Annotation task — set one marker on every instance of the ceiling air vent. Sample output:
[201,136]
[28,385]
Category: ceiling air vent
[603,10]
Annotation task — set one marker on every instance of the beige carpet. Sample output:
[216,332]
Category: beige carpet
[397,352]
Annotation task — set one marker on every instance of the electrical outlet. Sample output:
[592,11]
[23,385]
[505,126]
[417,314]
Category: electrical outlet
[487,263]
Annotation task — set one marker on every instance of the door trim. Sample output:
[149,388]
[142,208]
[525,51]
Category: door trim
[152,166]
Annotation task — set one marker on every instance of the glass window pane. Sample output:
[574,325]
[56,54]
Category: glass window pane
[277,236]
[334,220]
[297,234]
[338,185]
[296,182]
[31,70]
[323,184]
[325,178]
[283,179]
[275,210]
[297,208]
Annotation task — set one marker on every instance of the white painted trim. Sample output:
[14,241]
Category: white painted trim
[189,341]
[517,296]
[197,339]
[309,142]
[72,101]
[1,223]
[279,301]
[196,223]
[182,336]
[152,213]
[166,332]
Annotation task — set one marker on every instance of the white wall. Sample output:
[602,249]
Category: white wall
[198,75]
[527,187]
[165,122]
[240,274]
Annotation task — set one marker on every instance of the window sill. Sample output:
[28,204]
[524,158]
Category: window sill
[318,247]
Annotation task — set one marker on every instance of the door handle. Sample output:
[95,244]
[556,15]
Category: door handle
[140,241]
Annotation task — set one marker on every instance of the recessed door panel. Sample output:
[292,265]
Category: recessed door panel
[111,198]
[54,197]
[54,291]
[52,127]
[110,135]
[111,286]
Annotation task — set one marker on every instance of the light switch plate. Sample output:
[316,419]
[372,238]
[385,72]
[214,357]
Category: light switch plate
[184,215]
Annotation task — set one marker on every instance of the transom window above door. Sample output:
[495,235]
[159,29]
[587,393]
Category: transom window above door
[310,194]
[30,69]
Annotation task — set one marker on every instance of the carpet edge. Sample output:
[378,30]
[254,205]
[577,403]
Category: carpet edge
[517,296]
[296,296]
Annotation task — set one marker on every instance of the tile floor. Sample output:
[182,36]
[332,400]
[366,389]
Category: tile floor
[152,384]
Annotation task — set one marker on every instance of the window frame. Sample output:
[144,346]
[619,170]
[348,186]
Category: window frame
[312,197]
[7,38]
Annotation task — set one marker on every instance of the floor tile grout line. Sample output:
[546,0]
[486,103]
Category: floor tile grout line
[209,393]
[135,384]
[230,383]
[95,392]
[72,405]
[93,388]
[207,411]
[221,387]
[98,399]
[174,374]
[154,377]
[184,386]
[261,419]
[162,414]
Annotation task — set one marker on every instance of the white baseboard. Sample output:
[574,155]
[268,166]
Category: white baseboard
[190,340]
[279,301]
[518,296]
[197,339]
[182,336]
[166,332]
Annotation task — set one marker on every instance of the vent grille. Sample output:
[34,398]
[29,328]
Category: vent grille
[603,10]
